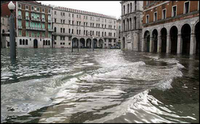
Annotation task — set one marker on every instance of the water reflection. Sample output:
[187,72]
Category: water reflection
[56,85]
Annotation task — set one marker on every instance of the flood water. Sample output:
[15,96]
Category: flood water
[101,86]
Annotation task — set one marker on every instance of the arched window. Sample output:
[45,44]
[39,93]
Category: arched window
[54,29]
[26,42]
[3,31]
[130,7]
[23,42]
[20,42]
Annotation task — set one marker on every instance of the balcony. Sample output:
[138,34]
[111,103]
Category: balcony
[19,17]
[35,28]
[19,27]
[43,20]
[27,18]
[49,21]
[35,19]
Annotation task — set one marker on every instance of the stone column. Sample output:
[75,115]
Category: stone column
[151,44]
[168,44]
[85,43]
[192,44]
[159,44]
[179,44]
[143,44]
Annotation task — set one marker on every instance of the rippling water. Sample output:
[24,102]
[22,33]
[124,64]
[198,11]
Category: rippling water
[55,85]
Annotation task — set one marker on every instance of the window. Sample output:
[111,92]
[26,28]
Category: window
[38,9]
[147,2]
[155,16]
[27,7]
[173,11]
[164,14]
[124,9]
[54,12]
[27,34]
[54,29]
[55,20]
[19,5]
[63,30]
[20,33]
[130,7]
[186,7]
[20,42]
[60,30]
[147,19]
[42,10]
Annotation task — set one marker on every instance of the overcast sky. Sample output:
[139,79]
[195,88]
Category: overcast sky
[111,8]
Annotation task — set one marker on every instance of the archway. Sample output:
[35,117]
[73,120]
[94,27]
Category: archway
[95,43]
[100,43]
[75,43]
[88,43]
[173,36]
[147,41]
[35,43]
[197,32]
[155,40]
[82,43]
[163,40]
[123,43]
[185,34]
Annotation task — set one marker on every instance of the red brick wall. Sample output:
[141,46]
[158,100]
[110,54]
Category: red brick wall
[168,6]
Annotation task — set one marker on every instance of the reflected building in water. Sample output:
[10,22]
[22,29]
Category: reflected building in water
[171,27]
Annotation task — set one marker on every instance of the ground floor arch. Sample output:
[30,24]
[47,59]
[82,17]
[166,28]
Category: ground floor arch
[82,43]
[75,43]
[88,43]
[147,41]
[100,43]
[35,43]
[185,34]
[155,40]
[174,38]
[163,40]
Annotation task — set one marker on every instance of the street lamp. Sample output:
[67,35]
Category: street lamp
[11,7]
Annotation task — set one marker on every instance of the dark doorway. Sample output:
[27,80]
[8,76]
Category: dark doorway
[155,40]
[163,40]
[75,43]
[123,43]
[185,33]
[88,43]
[95,43]
[147,41]
[100,43]
[82,45]
[173,36]
[35,43]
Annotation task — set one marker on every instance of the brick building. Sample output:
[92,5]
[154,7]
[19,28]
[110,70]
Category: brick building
[171,27]
[33,24]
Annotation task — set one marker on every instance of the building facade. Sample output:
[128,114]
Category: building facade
[5,32]
[171,27]
[33,24]
[82,28]
[131,18]
[119,33]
